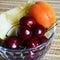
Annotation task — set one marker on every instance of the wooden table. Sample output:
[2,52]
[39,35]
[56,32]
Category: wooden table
[54,51]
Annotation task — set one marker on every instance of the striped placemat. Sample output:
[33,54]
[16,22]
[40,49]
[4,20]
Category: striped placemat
[54,51]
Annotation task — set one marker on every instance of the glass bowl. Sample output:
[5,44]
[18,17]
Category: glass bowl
[35,53]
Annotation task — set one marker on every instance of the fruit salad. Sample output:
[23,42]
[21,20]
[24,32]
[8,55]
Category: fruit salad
[31,25]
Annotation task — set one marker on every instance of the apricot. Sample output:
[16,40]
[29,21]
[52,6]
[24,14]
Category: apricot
[43,13]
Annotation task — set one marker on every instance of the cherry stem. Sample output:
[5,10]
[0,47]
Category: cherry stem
[21,54]
[21,46]
[10,29]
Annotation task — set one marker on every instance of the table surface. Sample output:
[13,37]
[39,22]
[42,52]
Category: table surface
[54,51]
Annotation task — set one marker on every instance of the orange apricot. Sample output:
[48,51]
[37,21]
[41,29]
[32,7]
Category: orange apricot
[43,13]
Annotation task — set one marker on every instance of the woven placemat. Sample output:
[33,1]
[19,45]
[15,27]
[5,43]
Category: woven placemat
[54,51]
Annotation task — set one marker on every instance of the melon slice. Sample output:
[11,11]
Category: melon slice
[11,18]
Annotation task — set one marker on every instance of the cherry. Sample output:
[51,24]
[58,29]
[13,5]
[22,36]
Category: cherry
[38,30]
[12,42]
[28,20]
[24,32]
[33,42]
[43,39]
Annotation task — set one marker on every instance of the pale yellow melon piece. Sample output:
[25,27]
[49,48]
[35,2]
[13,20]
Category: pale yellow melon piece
[10,18]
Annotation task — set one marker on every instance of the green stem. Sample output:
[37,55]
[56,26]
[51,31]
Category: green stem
[21,54]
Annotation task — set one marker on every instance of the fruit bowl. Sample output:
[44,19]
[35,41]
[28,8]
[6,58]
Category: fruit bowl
[35,53]
[34,35]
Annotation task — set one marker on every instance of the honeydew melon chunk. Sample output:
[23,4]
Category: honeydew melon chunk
[11,18]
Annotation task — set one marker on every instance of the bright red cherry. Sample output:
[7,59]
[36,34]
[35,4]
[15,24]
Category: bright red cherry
[28,20]
[38,30]
[43,39]
[24,32]
[12,42]
[33,42]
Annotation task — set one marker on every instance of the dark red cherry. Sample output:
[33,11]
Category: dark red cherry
[24,32]
[38,30]
[28,20]
[43,39]
[12,42]
[33,42]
